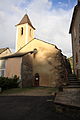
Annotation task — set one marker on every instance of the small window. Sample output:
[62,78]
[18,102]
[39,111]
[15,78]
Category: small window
[21,30]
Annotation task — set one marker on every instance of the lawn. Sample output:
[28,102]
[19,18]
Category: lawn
[29,90]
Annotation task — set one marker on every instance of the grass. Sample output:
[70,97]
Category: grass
[24,90]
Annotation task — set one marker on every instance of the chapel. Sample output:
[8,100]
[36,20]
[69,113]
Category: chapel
[35,62]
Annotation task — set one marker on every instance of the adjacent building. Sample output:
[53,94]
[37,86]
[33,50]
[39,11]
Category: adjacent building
[75,35]
[3,52]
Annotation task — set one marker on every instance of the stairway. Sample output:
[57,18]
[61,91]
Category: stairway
[70,94]
[73,81]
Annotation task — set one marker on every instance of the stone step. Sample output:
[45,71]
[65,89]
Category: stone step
[71,89]
[72,86]
[74,81]
[71,75]
[72,78]
[68,97]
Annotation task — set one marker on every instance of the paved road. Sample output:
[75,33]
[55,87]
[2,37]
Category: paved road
[30,108]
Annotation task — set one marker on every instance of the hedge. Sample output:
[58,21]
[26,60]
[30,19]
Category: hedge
[7,83]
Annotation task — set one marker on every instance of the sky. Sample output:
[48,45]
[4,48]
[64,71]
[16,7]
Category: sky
[51,18]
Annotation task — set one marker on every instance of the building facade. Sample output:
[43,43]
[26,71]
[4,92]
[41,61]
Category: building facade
[75,35]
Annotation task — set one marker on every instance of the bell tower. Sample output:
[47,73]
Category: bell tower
[25,32]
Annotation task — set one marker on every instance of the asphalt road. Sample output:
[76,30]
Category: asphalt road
[31,108]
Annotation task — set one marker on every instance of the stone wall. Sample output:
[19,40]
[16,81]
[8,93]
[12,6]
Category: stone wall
[27,71]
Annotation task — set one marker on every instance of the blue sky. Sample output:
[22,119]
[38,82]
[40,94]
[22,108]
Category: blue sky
[51,18]
[64,4]
[67,3]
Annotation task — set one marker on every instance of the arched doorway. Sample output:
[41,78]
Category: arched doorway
[36,82]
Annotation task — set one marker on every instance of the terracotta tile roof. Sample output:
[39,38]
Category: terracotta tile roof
[74,15]
[24,20]
[3,49]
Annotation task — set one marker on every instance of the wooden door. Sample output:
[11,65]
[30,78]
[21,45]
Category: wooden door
[36,82]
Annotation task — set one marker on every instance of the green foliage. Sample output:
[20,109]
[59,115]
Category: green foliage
[7,83]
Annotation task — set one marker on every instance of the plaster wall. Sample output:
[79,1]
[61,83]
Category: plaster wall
[13,67]
[47,62]
[28,35]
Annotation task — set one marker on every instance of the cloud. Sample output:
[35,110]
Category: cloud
[61,4]
[52,25]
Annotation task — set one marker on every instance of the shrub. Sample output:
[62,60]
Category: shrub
[7,83]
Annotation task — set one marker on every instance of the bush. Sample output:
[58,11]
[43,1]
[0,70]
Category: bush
[7,83]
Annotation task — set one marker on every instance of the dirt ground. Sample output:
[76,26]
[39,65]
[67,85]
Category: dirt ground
[33,107]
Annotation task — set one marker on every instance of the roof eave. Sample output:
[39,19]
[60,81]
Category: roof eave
[15,55]
[25,23]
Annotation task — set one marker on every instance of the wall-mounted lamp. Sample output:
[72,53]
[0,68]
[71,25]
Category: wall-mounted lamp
[35,51]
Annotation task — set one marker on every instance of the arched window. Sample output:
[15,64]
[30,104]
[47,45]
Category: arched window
[21,30]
